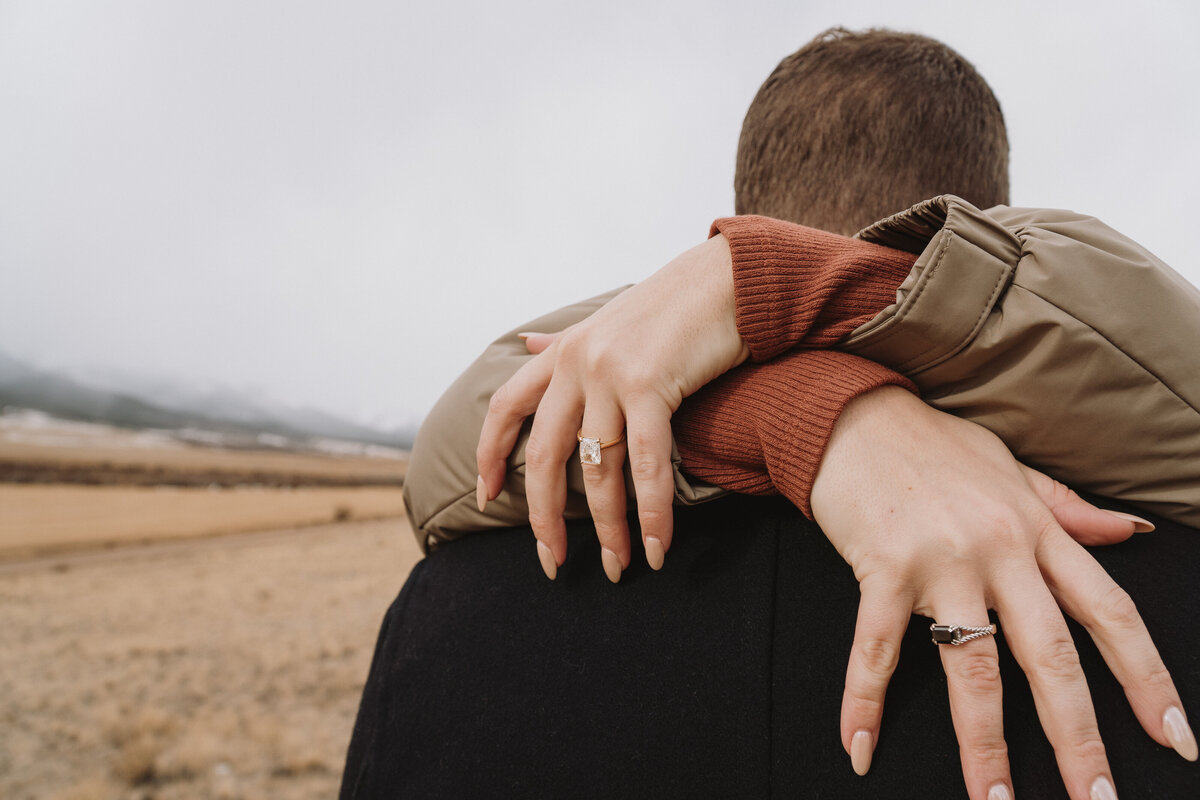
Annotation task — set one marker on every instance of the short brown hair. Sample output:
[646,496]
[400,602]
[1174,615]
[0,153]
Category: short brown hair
[855,126]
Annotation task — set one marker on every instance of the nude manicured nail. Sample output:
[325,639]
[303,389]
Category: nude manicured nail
[526,334]
[481,494]
[656,554]
[1102,789]
[1179,733]
[549,565]
[1139,525]
[861,750]
[999,792]
[612,564]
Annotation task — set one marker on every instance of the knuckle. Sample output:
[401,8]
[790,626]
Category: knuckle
[603,361]
[500,401]
[602,505]
[643,466]
[639,374]
[861,707]
[1008,529]
[1057,659]
[1115,607]
[596,476]
[572,342]
[653,518]
[879,657]
[642,441]
[538,455]
[1089,747]
[988,752]
[1155,678]
[979,673]
[1062,495]
[542,523]
[610,532]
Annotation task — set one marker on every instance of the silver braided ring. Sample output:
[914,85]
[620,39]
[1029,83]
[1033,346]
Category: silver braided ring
[959,634]
[589,448]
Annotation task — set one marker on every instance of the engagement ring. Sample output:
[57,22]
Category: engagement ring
[589,448]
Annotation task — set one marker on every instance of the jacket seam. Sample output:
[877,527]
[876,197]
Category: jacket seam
[997,288]
[913,365]
[893,322]
[896,318]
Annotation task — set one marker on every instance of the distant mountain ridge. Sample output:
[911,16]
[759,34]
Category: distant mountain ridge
[150,404]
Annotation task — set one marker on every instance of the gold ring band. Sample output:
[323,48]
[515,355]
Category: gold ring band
[599,443]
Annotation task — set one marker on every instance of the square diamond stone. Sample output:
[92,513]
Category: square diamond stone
[589,451]
[942,634]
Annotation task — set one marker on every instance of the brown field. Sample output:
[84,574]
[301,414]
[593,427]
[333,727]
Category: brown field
[111,460]
[181,642]
[40,519]
[218,668]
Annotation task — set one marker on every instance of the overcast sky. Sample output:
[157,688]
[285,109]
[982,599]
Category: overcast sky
[340,204]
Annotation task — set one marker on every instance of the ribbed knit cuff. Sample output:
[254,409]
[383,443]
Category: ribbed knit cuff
[767,425]
[800,286]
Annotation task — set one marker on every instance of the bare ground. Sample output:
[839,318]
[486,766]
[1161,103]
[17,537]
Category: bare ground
[223,668]
[100,446]
[36,519]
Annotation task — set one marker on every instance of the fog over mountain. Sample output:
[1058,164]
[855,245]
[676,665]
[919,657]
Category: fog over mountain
[150,402]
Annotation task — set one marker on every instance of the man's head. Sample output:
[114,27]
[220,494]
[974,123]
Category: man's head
[854,127]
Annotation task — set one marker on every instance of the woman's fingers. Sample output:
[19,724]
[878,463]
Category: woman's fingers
[1087,593]
[1086,523]
[552,440]
[648,424]
[883,614]
[508,409]
[604,480]
[1038,636]
[976,698]
[537,342]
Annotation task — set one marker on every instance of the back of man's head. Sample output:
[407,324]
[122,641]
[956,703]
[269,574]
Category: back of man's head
[854,127]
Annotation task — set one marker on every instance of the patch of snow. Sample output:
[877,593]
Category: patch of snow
[340,447]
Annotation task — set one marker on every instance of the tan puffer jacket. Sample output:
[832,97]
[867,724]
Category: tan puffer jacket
[1076,346]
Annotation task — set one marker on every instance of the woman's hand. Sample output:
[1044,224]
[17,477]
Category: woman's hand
[624,370]
[936,518]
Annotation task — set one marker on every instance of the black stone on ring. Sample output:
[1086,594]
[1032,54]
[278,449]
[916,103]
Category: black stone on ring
[959,634]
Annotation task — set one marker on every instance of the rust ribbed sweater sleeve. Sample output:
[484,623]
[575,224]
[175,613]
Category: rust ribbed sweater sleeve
[797,286]
[763,427]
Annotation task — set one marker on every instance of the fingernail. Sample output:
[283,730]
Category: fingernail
[549,565]
[860,752]
[526,334]
[481,494]
[999,792]
[612,564]
[1179,734]
[1102,789]
[656,554]
[1139,525]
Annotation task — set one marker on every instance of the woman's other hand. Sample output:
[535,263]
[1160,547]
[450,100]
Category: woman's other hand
[618,376]
[938,519]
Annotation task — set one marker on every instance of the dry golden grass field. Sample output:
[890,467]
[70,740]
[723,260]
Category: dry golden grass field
[117,457]
[39,519]
[177,642]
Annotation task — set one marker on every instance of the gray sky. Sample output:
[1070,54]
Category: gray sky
[340,204]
